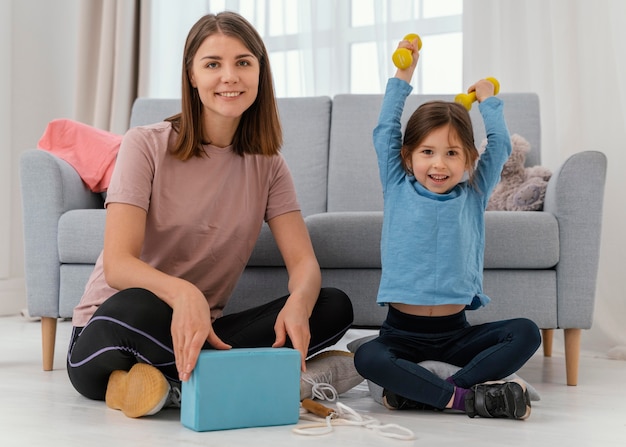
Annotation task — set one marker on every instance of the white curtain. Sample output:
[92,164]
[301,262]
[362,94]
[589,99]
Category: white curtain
[571,52]
[107,83]
[320,47]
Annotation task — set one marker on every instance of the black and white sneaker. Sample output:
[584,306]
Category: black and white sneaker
[498,400]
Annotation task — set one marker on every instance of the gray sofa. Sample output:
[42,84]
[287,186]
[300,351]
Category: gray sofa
[540,264]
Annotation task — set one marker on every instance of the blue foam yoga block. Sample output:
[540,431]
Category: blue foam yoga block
[241,388]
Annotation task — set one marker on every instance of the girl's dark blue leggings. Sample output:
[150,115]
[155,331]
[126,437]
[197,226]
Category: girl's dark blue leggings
[485,352]
[134,326]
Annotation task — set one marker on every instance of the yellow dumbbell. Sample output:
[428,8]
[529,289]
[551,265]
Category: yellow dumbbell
[466,99]
[403,57]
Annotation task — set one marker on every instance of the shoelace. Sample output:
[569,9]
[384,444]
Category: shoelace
[345,415]
[322,389]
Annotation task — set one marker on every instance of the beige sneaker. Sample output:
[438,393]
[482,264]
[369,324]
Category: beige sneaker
[329,374]
[142,391]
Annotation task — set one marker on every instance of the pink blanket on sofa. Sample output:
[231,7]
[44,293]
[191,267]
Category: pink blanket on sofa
[89,150]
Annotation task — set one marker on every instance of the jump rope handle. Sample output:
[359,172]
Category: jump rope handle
[317,409]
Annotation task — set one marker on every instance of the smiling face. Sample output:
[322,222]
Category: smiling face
[439,162]
[226,75]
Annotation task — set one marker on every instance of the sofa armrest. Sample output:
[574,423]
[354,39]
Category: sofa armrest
[575,196]
[49,187]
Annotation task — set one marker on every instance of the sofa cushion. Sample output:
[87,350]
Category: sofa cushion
[521,240]
[306,130]
[81,236]
[353,180]
[514,240]
[346,239]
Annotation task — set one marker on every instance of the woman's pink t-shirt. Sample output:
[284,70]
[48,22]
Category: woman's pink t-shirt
[204,215]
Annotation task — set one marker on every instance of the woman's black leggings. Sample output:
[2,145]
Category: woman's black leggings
[485,352]
[134,325]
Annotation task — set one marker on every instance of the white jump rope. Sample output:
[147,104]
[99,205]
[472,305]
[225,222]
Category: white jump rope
[325,418]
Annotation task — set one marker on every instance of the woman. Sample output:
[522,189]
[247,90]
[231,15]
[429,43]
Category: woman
[184,209]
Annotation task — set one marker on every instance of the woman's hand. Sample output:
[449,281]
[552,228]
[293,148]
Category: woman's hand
[293,322]
[305,280]
[191,327]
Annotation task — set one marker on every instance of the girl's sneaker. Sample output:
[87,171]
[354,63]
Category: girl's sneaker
[498,400]
[393,401]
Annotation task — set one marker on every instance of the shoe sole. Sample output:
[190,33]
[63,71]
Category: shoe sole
[523,411]
[387,405]
[142,391]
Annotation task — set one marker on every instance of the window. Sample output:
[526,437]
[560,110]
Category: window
[323,47]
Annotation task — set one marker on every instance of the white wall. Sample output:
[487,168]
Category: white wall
[5,138]
[38,39]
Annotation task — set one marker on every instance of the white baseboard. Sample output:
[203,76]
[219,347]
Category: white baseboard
[12,296]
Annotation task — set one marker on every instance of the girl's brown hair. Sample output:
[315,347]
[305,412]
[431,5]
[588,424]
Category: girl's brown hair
[432,115]
[259,131]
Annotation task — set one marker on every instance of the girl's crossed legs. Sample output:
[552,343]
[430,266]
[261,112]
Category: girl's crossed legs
[484,352]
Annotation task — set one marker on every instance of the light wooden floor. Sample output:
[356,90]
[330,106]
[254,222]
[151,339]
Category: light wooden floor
[41,408]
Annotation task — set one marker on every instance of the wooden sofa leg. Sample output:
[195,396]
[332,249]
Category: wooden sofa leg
[547,335]
[48,339]
[572,355]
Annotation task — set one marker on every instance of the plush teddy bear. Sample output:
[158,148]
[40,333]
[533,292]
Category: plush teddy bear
[520,188]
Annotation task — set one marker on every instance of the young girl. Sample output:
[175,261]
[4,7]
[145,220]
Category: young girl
[432,260]
[184,209]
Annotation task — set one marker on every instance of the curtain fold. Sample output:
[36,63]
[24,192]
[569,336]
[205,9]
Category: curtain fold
[571,53]
[108,50]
